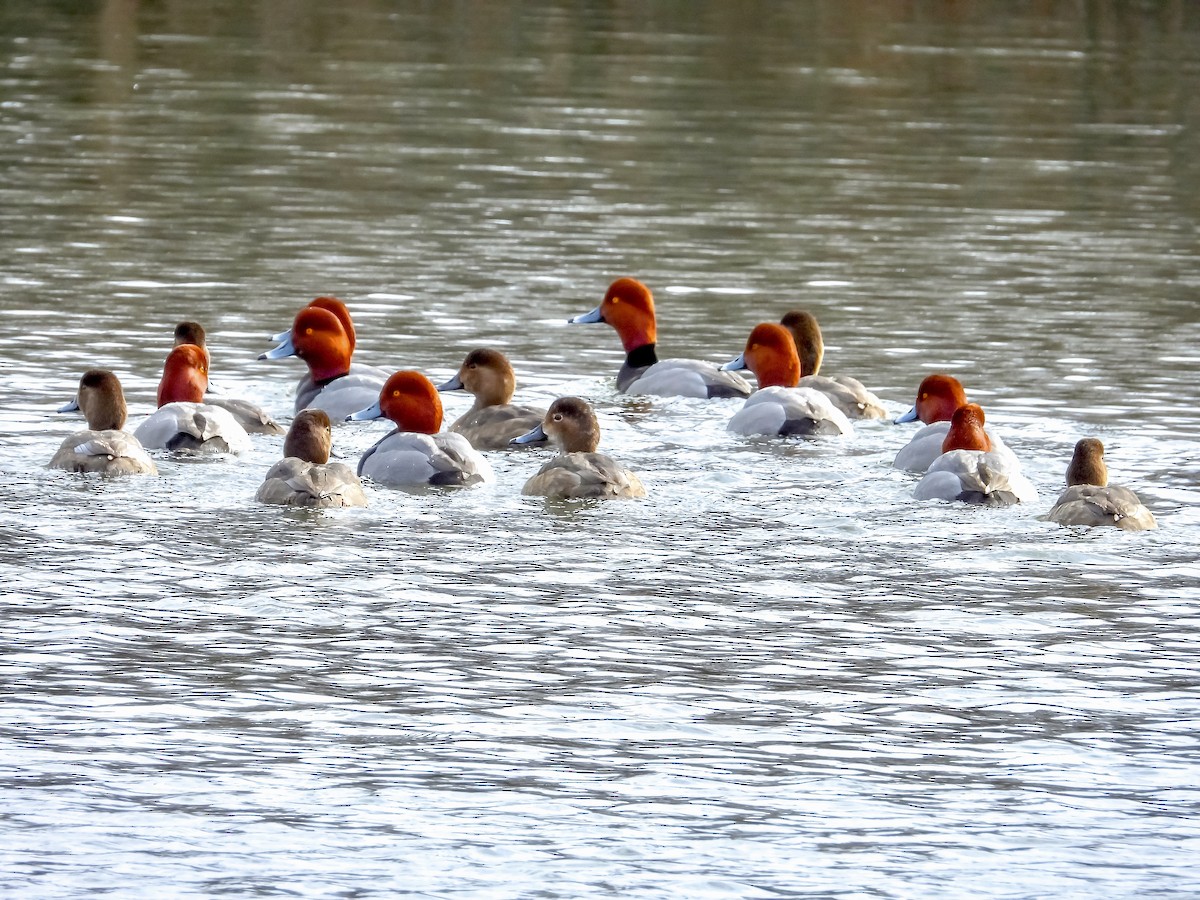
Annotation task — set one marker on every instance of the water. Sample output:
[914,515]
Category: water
[778,675]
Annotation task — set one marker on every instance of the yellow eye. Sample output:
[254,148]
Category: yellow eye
[308,331]
[395,393]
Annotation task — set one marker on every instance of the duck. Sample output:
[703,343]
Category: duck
[628,306]
[848,394]
[305,476]
[183,421]
[779,407]
[578,472]
[250,416]
[105,446]
[969,468]
[1090,500]
[938,397]
[492,421]
[323,336]
[416,452]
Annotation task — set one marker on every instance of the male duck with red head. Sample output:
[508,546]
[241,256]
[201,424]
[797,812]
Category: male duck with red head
[323,336]
[938,397]
[183,421]
[779,406]
[970,469]
[1090,500]
[415,453]
[628,306]
[104,446]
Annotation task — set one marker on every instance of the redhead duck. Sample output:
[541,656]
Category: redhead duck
[492,421]
[103,447]
[970,469]
[415,453]
[578,472]
[305,476]
[937,398]
[1090,500]
[323,336]
[250,416]
[183,421]
[629,308]
[848,394]
[779,406]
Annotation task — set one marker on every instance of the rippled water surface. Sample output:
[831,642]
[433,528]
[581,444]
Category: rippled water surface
[778,675]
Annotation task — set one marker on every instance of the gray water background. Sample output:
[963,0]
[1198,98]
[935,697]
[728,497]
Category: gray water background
[777,676]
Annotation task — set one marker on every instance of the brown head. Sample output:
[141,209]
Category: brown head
[570,423]
[411,401]
[310,438]
[189,333]
[489,376]
[810,346]
[102,401]
[1087,464]
[938,397]
[185,375]
[771,355]
[966,430]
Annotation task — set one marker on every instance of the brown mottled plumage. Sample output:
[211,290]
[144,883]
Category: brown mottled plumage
[1090,500]
[578,472]
[103,447]
[305,477]
[492,421]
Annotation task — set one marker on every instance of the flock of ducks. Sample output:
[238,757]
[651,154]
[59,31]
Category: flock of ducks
[957,456]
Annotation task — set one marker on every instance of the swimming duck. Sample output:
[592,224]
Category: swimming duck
[779,406]
[103,447]
[183,421]
[628,306]
[492,421]
[323,336]
[250,416]
[938,396]
[578,472]
[305,476]
[1090,500]
[848,394]
[969,468]
[415,453]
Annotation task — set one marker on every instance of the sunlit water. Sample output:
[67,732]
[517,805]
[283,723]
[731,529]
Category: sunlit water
[778,675]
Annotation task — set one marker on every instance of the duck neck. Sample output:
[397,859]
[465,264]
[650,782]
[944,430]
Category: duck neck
[1087,471]
[641,357]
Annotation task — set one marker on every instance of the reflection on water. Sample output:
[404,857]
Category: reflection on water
[779,674]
